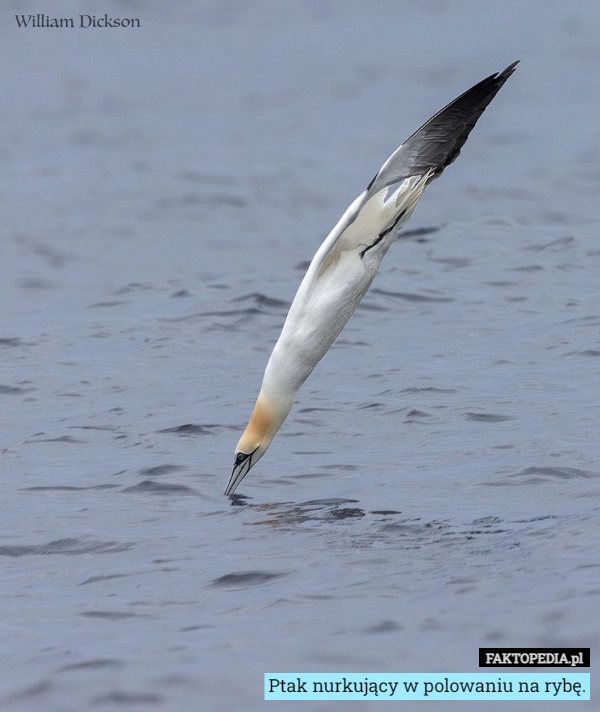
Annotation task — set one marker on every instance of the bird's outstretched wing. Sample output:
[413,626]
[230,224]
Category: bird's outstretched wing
[438,142]
[425,154]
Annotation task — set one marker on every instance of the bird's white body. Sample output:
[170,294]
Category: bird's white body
[348,260]
[336,281]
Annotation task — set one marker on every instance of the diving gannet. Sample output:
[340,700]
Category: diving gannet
[346,263]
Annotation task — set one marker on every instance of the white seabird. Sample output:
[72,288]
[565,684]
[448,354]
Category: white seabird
[346,263]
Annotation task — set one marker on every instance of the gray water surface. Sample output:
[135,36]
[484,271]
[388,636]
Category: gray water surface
[436,487]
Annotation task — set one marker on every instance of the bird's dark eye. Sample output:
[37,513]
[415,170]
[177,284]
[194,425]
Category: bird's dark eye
[240,457]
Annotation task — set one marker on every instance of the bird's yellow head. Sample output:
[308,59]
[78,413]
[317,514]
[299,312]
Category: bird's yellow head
[264,423]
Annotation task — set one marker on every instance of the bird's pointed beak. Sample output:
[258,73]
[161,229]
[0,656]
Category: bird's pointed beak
[240,470]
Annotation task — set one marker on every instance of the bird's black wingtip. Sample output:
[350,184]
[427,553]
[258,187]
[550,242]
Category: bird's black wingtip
[509,70]
[497,80]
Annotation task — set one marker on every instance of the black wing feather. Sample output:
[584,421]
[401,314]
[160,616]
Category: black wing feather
[439,141]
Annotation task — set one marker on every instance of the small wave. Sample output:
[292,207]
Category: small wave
[135,287]
[65,488]
[39,688]
[385,512]
[159,488]
[545,474]
[386,626]
[542,475]
[119,698]
[417,232]
[261,300]
[411,296]
[247,578]
[332,501]
[346,513]
[160,470]
[62,439]
[558,245]
[9,341]
[414,413]
[97,664]
[585,352]
[107,577]
[227,316]
[109,615]
[488,417]
[64,547]
[528,268]
[430,389]
[190,429]
[13,390]
[103,305]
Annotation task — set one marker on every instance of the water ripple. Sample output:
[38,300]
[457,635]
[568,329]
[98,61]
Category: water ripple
[534,475]
[65,547]
[488,417]
[118,698]
[158,488]
[246,579]
[542,475]
[190,429]
[410,296]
